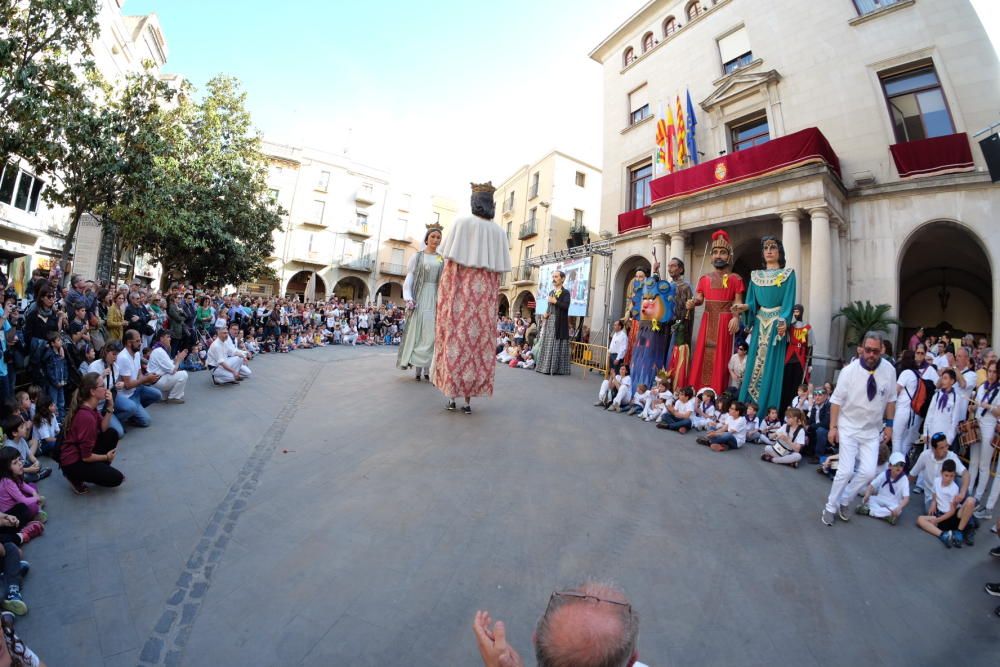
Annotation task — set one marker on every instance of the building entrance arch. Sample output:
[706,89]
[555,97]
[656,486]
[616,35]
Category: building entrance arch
[351,288]
[623,282]
[503,305]
[524,305]
[307,286]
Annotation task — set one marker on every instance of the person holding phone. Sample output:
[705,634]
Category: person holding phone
[90,445]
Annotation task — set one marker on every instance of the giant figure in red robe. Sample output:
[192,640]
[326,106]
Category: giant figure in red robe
[718,291]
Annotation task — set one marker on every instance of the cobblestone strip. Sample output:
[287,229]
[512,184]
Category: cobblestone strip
[165,646]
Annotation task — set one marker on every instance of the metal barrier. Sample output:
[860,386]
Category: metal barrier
[586,355]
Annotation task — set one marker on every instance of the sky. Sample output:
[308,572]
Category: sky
[437,93]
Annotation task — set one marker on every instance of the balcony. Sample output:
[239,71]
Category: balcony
[365,194]
[785,153]
[359,229]
[528,229]
[632,220]
[390,269]
[508,207]
[365,264]
[933,157]
[504,280]
[309,257]
[524,275]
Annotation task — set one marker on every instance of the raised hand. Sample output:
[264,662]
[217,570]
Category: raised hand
[492,641]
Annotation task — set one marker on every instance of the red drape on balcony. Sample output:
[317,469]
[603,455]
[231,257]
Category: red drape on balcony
[930,157]
[636,219]
[793,150]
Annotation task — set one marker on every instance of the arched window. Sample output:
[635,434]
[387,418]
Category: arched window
[669,26]
[693,10]
[647,42]
[629,56]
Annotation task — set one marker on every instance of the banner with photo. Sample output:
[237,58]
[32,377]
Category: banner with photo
[577,272]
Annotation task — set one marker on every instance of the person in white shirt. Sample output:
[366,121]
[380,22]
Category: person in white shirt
[348,334]
[889,493]
[233,350]
[987,410]
[640,399]
[136,394]
[225,369]
[678,416]
[623,390]
[863,402]
[801,400]
[947,516]
[926,471]
[907,422]
[943,411]
[705,412]
[172,380]
[732,431]
[660,399]
[965,379]
[618,347]
[788,441]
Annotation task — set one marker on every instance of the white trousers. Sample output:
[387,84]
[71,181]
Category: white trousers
[981,460]
[881,507]
[859,450]
[904,434]
[350,339]
[222,376]
[172,386]
[652,413]
[788,459]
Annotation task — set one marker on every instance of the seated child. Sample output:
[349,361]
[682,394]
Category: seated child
[769,427]
[46,427]
[705,412]
[660,399]
[17,497]
[639,399]
[193,361]
[946,517]
[15,429]
[527,359]
[888,493]
[677,417]
[788,441]
[732,433]
[801,400]
[753,423]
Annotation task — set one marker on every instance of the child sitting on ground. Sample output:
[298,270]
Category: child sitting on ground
[705,413]
[788,441]
[801,400]
[46,431]
[732,431]
[15,430]
[34,393]
[639,400]
[661,398]
[192,362]
[677,417]
[888,493]
[753,423]
[943,518]
[17,497]
[769,427]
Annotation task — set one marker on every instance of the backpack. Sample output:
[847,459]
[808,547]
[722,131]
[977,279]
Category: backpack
[920,399]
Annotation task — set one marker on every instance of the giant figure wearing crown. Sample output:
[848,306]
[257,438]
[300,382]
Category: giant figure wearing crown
[718,291]
[651,308]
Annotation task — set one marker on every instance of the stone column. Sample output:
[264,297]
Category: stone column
[821,291]
[660,245]
[791,239]
[839,287]
[678,246]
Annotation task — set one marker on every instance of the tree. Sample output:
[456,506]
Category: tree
[864,317]
[218,222]
[39,41]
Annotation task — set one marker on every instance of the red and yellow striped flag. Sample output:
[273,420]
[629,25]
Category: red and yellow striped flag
[682,155]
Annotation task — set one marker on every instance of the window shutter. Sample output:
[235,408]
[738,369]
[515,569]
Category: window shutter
[638,98]
[734,45]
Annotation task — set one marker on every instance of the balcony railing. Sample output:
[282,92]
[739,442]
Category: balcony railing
[392,269]
[948,154]
[359,229]
[504,280]
[357,263]
[869,6]
[529,228]
[523,274]
[365,194]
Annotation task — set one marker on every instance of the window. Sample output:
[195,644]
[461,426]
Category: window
[316,215]
[437,218]
[638,102]
[734,49]
[669,26]
[534,186]
[577,218]
[528,251]
[750,133]
[638,189]
[869,6]
[629,56]
[647,42]
[324,181]
[917,105]
[274,195]
[510,230]
[404,227]
[399,257]
[581,179]
[693,11]
[36,190]
[7,183]
[363,222]
[531,215]
[508,203]
[23,191]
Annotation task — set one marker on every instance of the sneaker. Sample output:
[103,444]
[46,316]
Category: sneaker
[32,530]
[970,537]
[917,490]
[891,519]
[993,589]
[662,425]
[451,405]
[863,510]
[995,552]
[956,539]
[599,404]
[844,513]
[467,409]
[13,602]
[945,538]
[79,488]
[828,517]
[23,569]
[42,516]
[983,514]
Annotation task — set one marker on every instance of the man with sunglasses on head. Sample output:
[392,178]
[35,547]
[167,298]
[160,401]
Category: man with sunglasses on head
[591,625]
[863,406]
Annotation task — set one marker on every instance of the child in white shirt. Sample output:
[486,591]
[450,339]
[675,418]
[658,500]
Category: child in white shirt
[946,516]
[753,423]
[639,399]
[801,400]
[678,416]
[705,413]
[732,434]
[660,399]
[769,427]
[943,411]
[788,441]
[889,492]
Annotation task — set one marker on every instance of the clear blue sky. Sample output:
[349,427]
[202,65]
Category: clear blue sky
[439,93]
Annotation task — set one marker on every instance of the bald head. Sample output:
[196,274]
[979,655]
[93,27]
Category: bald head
[589,631]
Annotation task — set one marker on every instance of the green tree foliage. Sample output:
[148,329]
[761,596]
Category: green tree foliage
[864,317]
[43,47]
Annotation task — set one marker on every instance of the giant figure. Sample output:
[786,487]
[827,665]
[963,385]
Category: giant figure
[681,324]
[656,308]
[718,291]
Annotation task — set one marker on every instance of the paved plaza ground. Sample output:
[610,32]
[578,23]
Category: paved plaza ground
[331,512]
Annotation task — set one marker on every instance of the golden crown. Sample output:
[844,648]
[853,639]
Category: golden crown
[486,187]
[434,227]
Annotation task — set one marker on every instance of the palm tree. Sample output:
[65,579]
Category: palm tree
[864,317]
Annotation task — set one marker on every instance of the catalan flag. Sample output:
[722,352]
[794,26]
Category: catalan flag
[682,148]
[662,134]
[671,140]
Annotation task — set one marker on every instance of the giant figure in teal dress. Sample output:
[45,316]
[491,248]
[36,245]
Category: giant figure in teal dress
[768,309]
